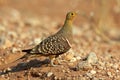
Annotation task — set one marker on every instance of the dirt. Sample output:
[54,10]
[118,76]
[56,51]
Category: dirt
[23,24]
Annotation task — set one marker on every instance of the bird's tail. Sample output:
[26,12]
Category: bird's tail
[27,51]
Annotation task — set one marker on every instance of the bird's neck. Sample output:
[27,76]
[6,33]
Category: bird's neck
[67,26]
[66,30]
[68,23]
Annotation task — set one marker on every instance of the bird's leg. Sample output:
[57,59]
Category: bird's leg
[52,58]
[57,57]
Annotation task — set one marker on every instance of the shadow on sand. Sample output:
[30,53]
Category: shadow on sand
[26,66]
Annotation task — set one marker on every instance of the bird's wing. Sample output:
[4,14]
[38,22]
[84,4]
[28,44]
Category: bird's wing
[54,45]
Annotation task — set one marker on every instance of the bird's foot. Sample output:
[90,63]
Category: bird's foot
[59,61]
[52,63]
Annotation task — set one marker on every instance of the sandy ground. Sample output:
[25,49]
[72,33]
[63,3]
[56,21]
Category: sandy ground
[23,24]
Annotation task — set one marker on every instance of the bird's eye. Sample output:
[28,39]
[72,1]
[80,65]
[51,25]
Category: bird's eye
[71,13]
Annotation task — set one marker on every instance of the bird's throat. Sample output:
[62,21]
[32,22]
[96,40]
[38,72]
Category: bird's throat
[67,28]
[68,23]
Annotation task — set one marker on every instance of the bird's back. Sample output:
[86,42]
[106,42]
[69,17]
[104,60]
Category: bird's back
[53,45]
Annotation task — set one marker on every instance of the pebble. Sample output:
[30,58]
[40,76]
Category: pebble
[36,41]
[7,44]
[73,60]
[15,50]
[68,71]
[2,76]
[109,74]
[55,78]
[78,57]
[92,58]
[2,60]
[84,65]
[117,71]
[49,74]
[93,72]
[36,74]
[69,56]
[101,64]
[12,34]
[8,69]
[63,71]
[89,75]
[94,78]
[107,56]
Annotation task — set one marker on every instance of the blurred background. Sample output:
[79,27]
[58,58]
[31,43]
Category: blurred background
[25,23]
[25,18]
[57,9]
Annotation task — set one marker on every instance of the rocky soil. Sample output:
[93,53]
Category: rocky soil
[24,24]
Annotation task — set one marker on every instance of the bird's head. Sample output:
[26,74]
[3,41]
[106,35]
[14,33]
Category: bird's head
[71,15]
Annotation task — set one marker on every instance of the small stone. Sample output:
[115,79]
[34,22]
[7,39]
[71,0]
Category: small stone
[69,56]
[36,41]
[78,57]
[108,64]
[55,78]
[107,56]
[115,66]
[49,74]
[73,60]
[71,64]
[63,71]
[93,72]
[8,69]
[117,71]
[68,71]
[12,34]
[92,58]
[2,60]
[100,67]
[36,74]
[84,65]
[14,50]
[109,74]
[7,44]
[2,76]
[89,75]
[94,78]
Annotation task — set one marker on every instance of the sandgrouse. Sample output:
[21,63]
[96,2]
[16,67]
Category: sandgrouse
[56,44]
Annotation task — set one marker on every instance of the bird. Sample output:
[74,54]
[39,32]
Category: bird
[56,44]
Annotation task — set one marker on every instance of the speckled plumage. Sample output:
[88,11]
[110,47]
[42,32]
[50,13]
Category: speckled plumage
[53,45]
[58,43]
